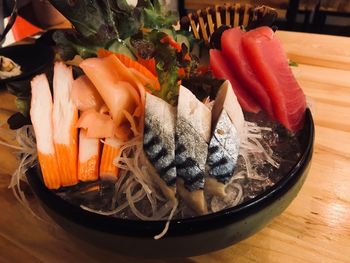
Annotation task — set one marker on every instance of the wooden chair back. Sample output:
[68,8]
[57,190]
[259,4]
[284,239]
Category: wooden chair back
[203,22]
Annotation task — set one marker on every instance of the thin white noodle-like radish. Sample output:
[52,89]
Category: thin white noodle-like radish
[138,176]
[123,145]
[133,208]
[27,151]
[256,127]
[239,175]
[11,146]
[266,154]
[166,228]
[126,185]
[239,194]
[250,171]
[247,164]
[121,166]
[157,194]
[163,211]
[15,183]
[252,135]
[122,175]
[153,201]
[227,201]
[138,196]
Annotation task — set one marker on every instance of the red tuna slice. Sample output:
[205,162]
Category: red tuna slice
[269,62]
[222,70]
[232,49]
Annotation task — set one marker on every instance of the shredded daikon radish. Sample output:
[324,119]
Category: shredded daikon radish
[136,190]
[136,194]
[251,146]
[267,152]
[26,151]
[166,228]
[136,198]
[234,197]
[134,174]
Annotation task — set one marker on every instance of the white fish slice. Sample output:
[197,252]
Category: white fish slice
[192,137]
[159,143]
[228,123]
[226,99]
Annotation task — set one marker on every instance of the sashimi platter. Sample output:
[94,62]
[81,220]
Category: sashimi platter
[141,121]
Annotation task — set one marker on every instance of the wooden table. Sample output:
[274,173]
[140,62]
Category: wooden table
[315,227]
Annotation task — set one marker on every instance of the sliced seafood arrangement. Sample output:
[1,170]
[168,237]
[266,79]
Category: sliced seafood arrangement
[125,137]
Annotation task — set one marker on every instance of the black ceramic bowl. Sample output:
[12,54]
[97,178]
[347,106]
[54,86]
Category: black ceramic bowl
[33,59]
[186,237]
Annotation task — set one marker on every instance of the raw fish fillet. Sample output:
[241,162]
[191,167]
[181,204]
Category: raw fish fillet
[159,143]
[192,137]
[222,70]
[232,50]
[228,124]
[269,61]
[226,99]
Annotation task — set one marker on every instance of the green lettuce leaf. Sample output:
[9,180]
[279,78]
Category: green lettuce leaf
[155,16]
[93,19]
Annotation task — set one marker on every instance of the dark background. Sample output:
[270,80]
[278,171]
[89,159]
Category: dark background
[314,16]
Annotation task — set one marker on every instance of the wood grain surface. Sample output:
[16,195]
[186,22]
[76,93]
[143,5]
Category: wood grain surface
[314,228]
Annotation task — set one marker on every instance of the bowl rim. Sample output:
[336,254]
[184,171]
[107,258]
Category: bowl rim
[177,227]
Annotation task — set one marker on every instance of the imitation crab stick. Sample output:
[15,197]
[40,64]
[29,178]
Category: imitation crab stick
[89,157]
[41,116]
[65,117]
[108,171]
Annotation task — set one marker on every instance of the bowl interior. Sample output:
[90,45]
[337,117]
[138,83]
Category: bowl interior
[178,227]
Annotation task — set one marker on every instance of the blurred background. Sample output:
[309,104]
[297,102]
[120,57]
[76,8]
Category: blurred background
[314,16]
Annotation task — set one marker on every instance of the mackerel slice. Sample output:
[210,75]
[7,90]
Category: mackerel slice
[224,145]
[159,143]
[226,99]
[192,137]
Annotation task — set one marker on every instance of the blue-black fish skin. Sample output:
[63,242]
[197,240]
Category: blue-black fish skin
[158,151]
[223,150]
[191,150]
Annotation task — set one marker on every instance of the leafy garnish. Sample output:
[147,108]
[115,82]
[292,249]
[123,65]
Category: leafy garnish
[145,31]
[69,45]
[171,58]
[150,45]
[155,16]
[126,18]
[99,23]
[92,19]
